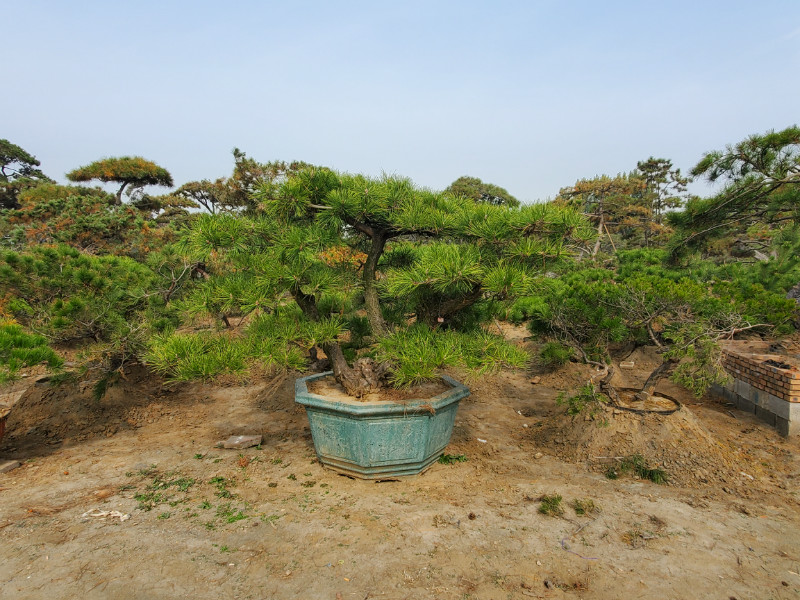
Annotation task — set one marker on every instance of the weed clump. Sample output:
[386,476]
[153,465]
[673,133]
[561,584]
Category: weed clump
[637,465]
[449,459]
[551,505]
[584,506]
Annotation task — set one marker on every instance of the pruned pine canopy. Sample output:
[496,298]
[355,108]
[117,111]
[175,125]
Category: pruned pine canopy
[339,243]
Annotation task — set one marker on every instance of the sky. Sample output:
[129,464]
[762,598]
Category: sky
[529,95]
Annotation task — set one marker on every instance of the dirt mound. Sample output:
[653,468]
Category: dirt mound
[48,414]
[678,443]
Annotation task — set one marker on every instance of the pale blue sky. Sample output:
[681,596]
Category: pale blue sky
[528,95]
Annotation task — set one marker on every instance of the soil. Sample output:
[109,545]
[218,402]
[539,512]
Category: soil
[330,389]
[128,497]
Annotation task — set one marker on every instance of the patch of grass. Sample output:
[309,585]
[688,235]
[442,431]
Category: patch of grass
[222,484]
[449,459]
[157,491]
[551,505]
[19,349]
[585,506]
[637,465]
[149,499]
[269,518]
[164,515]
[229,514]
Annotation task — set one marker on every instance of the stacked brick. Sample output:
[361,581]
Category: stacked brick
[755,369]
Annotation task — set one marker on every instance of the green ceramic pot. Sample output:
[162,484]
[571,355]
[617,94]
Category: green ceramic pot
[380,440]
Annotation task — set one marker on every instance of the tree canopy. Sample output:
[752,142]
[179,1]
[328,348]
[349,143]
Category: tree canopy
[474,188]
[761,184]
[18,171]
[341,244]
[126,170]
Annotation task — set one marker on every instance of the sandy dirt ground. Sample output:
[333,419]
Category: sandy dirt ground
[269,522]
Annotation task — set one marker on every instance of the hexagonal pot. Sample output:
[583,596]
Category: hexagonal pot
[380,440]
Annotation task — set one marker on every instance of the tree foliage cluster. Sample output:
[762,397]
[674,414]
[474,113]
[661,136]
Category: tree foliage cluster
[630,208]
[280,261]
[351,249]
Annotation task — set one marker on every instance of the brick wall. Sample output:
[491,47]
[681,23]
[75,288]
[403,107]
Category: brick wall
[781,381]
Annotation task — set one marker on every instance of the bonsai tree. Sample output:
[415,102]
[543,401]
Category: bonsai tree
[364,257]
[132,171]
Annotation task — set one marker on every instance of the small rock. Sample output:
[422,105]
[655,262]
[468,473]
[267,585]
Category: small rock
[538,455]
[239,442]
[9,465]
[535,380]
[627,364]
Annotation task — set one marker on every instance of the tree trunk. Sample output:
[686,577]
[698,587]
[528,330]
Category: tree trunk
[371,300]
[663,370]
[599,235]
[364,377]
[119,193]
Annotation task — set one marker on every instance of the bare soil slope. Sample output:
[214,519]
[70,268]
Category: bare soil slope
[269,522]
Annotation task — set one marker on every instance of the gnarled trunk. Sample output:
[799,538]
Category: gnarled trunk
[665,369]
[365,376]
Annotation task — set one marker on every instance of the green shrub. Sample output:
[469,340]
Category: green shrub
[587,401]
[551,505]
[19,349]
[554,354]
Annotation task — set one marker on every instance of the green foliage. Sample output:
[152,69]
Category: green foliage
[588,401]
[157,492]
[585,506]
[477,190]
[761,186]
[417,352]
[18,172]
[551,505]
[222,484]
[126,170]
[270,341]
[359,329]
[579,309]
[449,459]
[637,465]
[644,301]
[105,304]
[19,349]
[320,238]
[79,216]
[554,354]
